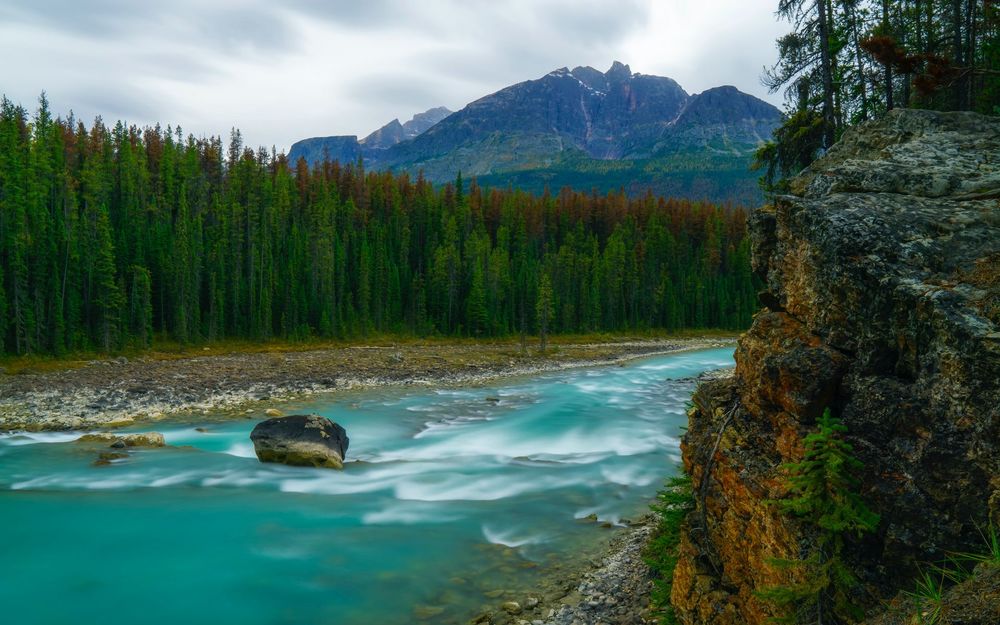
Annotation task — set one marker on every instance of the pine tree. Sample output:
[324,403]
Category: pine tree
[108,297]
[823,493]
[476,304]
[3,312]
[544,310]
[140,307]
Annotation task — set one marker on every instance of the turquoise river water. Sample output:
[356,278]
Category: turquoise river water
[456,492]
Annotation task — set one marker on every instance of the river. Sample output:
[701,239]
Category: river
[449,497]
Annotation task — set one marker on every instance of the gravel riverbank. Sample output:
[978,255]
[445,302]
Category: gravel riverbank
[612,589]
[116,392]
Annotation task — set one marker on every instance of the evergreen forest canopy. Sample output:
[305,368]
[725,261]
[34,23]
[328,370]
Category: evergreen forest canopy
[847,61]
[111,236]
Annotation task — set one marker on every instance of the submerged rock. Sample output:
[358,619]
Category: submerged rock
[105,458]
[301,440]
[121,441]
[426,612]
[512,607]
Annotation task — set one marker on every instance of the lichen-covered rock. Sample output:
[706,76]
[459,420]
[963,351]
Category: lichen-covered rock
[121,441]
[301,440]
[882,279]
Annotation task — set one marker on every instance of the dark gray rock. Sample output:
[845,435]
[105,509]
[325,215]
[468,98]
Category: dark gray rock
[301,440]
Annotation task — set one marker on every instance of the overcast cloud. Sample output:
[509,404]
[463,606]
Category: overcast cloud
[281,71]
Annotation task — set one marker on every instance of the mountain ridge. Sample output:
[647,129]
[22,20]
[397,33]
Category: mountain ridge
[549,131]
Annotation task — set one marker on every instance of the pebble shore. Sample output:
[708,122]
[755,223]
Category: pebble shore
[118,392]
[612,590]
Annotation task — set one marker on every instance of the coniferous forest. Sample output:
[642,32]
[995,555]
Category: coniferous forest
[847,62]
[111,236]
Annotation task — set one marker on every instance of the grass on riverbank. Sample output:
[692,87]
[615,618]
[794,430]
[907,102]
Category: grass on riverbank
[167,349]
[673,504]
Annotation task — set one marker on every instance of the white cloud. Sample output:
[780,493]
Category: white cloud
[283,71]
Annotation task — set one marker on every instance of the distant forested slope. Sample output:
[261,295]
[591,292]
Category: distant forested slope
[111,236]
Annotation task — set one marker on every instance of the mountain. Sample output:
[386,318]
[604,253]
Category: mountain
[589,130]
[347,148]
[395,132]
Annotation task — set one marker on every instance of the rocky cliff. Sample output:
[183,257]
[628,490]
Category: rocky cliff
[882,302]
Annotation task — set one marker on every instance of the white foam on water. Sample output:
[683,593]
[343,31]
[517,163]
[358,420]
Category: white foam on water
[173,480]
[241,450]
[431,408]
[349,482]
[37,482]
[129,480]
[509,538]
[446,424]
[447,392]
[668,366]
[408,514]
[513,438]
[550,459]
[237,478]
[484,488]
[628,475]
[112,484]
[597,388]
[15,439]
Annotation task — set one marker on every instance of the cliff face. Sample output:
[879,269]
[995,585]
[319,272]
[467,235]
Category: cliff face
[882,301]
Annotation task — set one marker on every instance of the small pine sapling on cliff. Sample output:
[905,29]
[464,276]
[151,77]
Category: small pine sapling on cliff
[823,493]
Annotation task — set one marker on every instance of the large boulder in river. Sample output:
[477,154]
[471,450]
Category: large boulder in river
[301,440]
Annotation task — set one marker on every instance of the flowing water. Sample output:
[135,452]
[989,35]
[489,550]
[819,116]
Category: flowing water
[455,493]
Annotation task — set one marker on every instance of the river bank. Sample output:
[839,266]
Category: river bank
[118,392]
[612,588]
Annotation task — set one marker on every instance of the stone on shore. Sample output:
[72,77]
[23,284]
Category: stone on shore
[301,440]
[512,607]
[120,441]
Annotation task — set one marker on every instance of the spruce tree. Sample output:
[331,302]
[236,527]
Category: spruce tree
[823,493]
[544,310]
[476,304]
[107,297]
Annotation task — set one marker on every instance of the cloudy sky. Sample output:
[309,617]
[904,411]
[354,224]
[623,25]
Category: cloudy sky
[281,71]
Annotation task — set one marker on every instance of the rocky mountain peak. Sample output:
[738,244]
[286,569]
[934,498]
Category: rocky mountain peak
[421,122]
[386,136]
[618,72]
